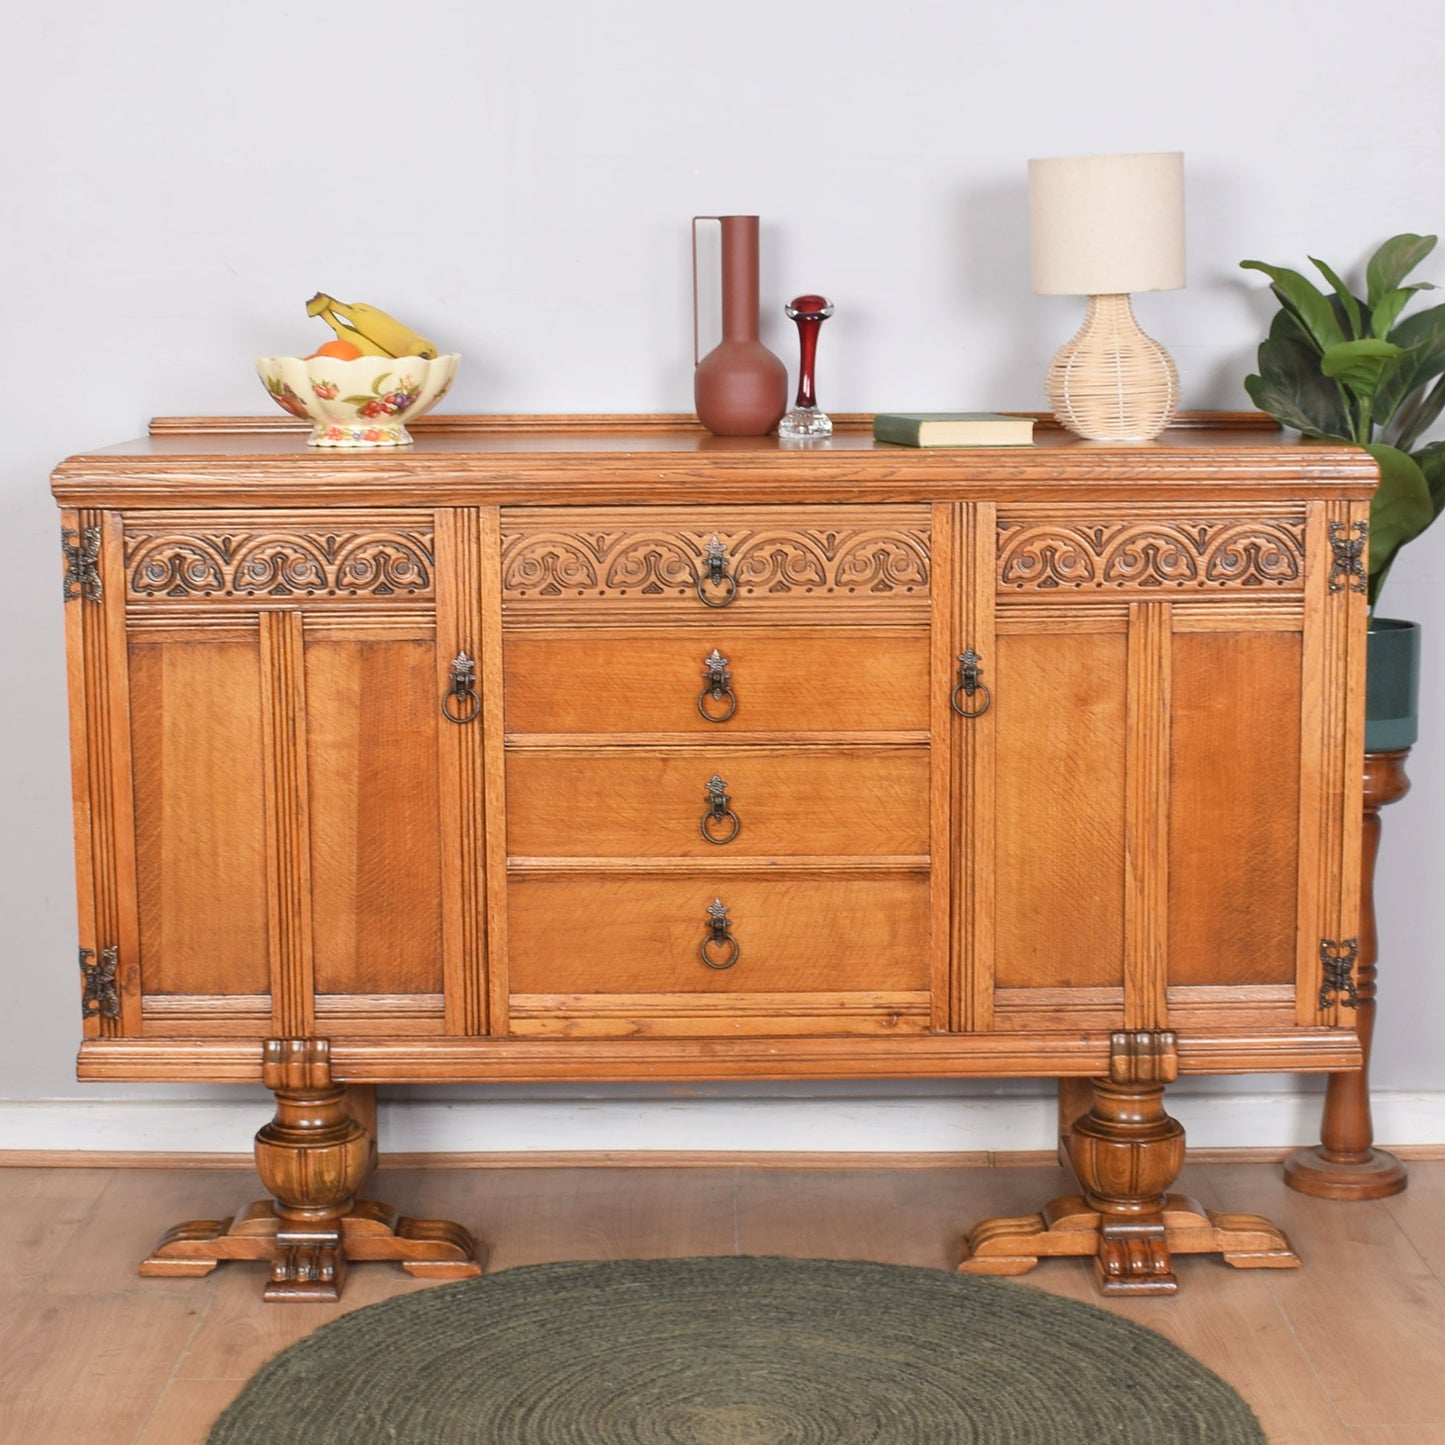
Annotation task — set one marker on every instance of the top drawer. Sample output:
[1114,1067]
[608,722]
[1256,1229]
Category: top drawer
[620,564]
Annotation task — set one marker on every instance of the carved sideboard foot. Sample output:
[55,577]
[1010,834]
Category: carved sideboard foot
[1127,1151]
[1130,1256]
[313,1156]
[315,1269]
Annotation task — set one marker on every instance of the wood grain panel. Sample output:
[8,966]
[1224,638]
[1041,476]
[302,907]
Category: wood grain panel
[375,833]
[1059,728]
[1234,781]
[576,803]
[784,679]
[640,935]
[200,823]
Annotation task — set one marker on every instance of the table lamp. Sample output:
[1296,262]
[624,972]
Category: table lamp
[1103,227]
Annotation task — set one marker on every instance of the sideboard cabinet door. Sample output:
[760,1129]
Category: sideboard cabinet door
[1170,800]
[276,766]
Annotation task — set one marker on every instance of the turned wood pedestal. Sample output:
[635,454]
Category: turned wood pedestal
[1345,1164]
[314,1157]
[1127,1151]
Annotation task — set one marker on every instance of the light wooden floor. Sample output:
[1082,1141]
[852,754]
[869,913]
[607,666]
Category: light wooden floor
[1349,1350]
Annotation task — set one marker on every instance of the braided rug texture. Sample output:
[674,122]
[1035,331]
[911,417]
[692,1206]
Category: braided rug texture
[734,1351]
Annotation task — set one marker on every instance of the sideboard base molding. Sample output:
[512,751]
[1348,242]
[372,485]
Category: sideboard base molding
[461,1060]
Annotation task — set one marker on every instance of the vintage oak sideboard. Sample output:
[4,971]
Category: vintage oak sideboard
[601,748]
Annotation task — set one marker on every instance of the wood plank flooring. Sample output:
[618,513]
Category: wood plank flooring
[1349,1350]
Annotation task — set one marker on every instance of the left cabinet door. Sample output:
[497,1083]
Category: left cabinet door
[265,779]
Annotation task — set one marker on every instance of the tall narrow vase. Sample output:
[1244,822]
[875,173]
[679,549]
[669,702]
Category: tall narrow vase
[740,388]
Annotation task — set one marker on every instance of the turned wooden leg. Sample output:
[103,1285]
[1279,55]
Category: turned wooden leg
[1345,1165]
[1127,1151]
[313,1157]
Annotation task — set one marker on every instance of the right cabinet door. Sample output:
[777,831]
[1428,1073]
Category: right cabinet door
[1161,812]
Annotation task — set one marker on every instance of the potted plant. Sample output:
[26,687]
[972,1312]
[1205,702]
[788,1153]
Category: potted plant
[1355,369]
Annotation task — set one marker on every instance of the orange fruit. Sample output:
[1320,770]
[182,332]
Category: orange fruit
[339,349]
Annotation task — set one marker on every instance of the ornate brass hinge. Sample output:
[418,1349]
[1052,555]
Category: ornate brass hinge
[82,563]
[102,993]
[1337,964]
[1348,545]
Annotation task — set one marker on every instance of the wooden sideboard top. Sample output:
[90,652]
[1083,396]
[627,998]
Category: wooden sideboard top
[561,460]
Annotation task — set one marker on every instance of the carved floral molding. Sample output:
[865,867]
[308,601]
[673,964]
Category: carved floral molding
[1151,555]
[361,563]
[570,564]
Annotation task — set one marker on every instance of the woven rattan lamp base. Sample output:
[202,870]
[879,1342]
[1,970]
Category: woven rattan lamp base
[1112,382]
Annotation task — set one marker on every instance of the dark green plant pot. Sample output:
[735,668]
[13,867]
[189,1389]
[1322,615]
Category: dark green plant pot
[1392,685]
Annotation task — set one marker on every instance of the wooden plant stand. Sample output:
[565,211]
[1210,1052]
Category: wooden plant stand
[1344,1164]
[314,1157]
[1127,1151]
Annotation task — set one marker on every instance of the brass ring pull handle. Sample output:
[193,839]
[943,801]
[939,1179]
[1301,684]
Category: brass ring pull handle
[719,689]
[977,698]
[719,949]
[719,816]
[717,575]
[460,702]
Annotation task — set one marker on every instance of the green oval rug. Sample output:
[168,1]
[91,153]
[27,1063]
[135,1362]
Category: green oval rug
[734,1351]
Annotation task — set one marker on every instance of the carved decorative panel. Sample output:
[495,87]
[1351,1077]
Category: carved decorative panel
[244,564]
[1152,555]
[668,562]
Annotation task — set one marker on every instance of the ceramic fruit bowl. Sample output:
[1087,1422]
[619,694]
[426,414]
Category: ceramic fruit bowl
[360,403]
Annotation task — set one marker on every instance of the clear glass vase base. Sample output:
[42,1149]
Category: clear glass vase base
[803,423]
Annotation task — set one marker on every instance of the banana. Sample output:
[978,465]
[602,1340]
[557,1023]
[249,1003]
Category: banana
[369,328]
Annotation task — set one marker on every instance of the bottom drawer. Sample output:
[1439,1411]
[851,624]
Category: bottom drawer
[832,945]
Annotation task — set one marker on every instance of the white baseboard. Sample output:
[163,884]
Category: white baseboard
[831,1122]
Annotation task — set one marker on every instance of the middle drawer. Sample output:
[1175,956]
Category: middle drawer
[717,802]
[715,679]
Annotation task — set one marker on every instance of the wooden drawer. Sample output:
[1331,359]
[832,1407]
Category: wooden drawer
[565,564]
[794,933]
[613,803]
[796,679]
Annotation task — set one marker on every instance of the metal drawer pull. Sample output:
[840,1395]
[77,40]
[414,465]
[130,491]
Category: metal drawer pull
[969,686]
[719,688]
[717,575]
[719,815]
[719,939]
[460,703]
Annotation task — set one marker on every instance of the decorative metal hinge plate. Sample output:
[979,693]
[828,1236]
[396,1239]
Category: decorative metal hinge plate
[1348,545]
[82,563]
[102,993]
[1337,964]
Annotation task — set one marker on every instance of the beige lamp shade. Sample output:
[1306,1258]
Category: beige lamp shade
[1107,225]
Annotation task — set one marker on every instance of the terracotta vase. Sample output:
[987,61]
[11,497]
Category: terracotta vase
[740,388]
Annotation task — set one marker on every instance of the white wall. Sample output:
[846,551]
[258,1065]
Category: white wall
[516,181]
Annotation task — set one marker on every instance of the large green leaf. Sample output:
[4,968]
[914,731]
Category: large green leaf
[1388,308]
[1431,461]
[1423,336]
[1304,301]
[1418,415]
[1402,508]
[1389,266]
[1291,387]
[1348,306]
[1360,365]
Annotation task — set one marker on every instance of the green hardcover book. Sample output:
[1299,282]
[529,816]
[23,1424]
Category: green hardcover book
[953,429]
